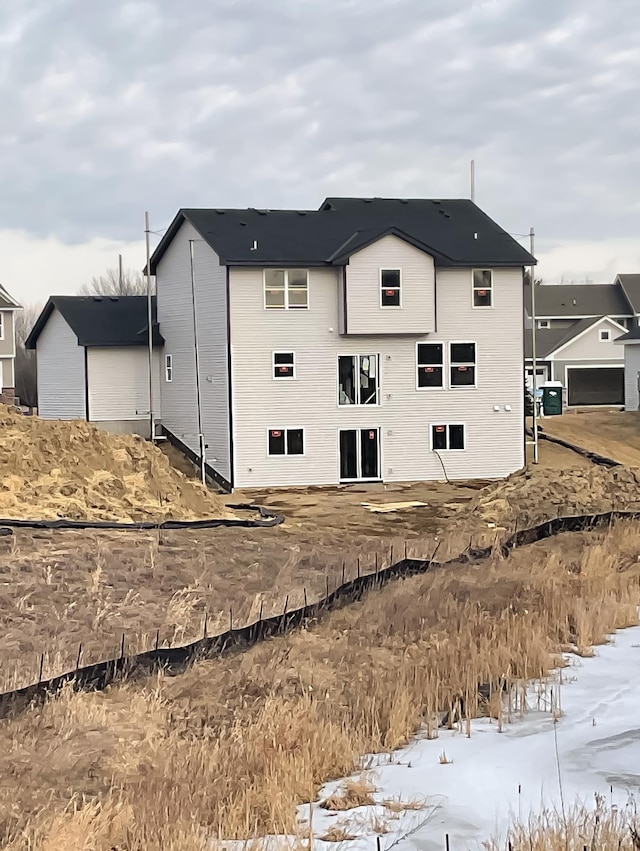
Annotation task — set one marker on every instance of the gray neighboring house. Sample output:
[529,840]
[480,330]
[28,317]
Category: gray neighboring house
[631,343]
[8,309]
[577,326]
[368,340]
[93,361]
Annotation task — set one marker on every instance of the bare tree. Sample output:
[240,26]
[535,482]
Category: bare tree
[25,363]
[113,283]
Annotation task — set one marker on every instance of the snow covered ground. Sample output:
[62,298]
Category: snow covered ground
[493,778]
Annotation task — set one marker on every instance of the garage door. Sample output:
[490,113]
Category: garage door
[591,386]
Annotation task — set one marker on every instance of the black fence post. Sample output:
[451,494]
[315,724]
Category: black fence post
[41,667]
[286,605]
[327,584]
[343,570]
[304,591]
[358,567]
[78,656]
[376,562]
[122,647]
[231,619]
[446,841]
[405,550]
[157,638]
[204,626]
[260,613]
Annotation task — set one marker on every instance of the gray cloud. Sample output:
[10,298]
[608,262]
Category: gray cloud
[112,108]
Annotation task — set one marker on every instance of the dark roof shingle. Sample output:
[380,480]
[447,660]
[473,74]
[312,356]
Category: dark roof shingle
[101,320]
[572,300]
[456,232]
[631,287]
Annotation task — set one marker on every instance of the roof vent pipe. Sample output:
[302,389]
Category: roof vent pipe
[254,246]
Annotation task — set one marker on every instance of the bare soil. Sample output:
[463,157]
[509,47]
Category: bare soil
[613,433]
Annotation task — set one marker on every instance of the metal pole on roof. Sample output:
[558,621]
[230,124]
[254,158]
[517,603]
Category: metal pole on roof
[473,180]
[152,425]
[533,349]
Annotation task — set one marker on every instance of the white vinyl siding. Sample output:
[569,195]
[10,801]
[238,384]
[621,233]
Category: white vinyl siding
[61,373]
[493,439]
[365,313]
[631,376]
[175,315]
[118,380]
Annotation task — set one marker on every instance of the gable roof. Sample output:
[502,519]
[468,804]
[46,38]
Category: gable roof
[573,300]
[101,320]
[6,300]
[456,232]
[630,285]
[548,340]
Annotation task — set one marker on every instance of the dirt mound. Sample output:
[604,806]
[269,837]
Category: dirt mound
[536,495]
[73,470]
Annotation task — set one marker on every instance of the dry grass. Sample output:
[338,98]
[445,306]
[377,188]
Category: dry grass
[232,746]
[352,794]
[600,828]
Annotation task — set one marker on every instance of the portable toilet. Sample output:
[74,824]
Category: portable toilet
[552,398]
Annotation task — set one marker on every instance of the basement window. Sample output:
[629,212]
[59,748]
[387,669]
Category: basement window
[447,436]
[483,288]
[286,289]
[462,360]
[286,441]
[390,283]
[168,368]
[283,365]
[430,365]
[358,380]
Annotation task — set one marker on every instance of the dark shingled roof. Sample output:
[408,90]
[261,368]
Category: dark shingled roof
[101,320]
[631,287]
[632,336]
[550,339]
[454,232]
[590,300]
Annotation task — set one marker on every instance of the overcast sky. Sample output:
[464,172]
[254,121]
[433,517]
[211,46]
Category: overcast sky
[108,109]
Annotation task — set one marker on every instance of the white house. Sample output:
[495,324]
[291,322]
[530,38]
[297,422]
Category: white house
[93,362]
[8,309]
[368,340]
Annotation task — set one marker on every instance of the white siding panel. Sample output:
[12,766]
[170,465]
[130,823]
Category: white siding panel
[61,374]
[175,314]
[631,376]
[494,438]
[118,380]
[364,313]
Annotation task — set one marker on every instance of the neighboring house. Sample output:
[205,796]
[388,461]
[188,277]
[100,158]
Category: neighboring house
[372,339]
[576,329]
[8,310]
[631,343]
[93,361]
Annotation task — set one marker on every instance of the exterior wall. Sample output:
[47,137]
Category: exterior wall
[61,372]
[7,374]
[118,382]
[175,314]
[589,348]
[416,314]
[494,439]
[8,342]
[631,376]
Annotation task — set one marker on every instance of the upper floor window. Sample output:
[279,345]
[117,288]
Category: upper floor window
[430,364]
[604,335]
[168,368]
[462,360]
[544,323]
[286,289]
[284,365]
[358,380]
[483,288]
[390,284]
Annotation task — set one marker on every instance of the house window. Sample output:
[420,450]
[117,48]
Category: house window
[286,441]
[544,323]
[430,364]
[390,280]
[168,368]
[286,289]
[283,365]
[483,288]
[462,360]
[447,437]
[604,335]
[358,380]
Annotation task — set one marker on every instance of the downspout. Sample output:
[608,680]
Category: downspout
[197,363]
